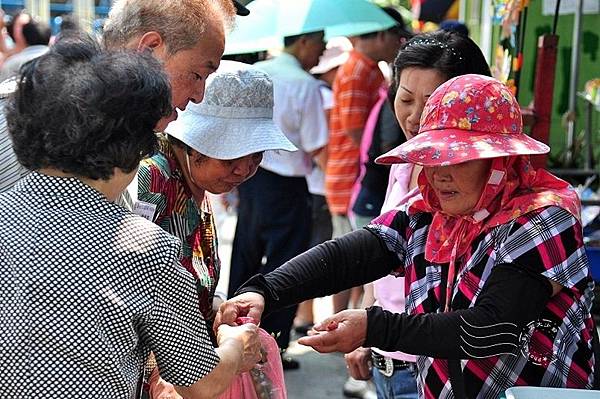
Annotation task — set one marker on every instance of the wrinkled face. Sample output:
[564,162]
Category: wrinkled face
[459,187]
[219,176]
[188,69]
[414,88]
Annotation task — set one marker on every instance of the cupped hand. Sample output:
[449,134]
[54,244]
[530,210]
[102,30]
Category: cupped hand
[247,337]
[249,304]
[161,389]
[358,363]
[342,332]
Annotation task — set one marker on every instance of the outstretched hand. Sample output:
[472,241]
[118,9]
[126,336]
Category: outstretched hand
[342,332]
[248,304]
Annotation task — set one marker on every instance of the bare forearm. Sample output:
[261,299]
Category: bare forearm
[217,381]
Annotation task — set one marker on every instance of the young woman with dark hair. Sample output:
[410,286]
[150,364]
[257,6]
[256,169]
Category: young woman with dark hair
[423,63]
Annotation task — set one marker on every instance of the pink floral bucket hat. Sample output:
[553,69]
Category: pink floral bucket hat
[468,117]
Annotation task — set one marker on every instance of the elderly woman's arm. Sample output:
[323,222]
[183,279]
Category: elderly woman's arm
[541,253]
[511,298]
[354,259]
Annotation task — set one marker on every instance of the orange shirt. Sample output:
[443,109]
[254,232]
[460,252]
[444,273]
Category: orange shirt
[355,92]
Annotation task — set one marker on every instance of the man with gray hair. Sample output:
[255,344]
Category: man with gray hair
[188,36]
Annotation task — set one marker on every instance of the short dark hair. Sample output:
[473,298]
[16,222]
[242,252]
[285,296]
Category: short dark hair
[85,111]
[290,40]
[36,32]
[449,53]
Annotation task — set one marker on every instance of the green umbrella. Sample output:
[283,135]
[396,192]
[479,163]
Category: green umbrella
[271,20]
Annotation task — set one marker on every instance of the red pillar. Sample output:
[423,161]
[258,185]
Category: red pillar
[543,93]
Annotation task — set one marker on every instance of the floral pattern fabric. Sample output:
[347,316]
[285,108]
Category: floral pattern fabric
[161,183]
[468,117]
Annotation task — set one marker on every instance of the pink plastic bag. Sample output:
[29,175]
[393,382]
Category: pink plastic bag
[265,380]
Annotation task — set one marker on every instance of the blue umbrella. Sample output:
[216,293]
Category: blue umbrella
[271,20]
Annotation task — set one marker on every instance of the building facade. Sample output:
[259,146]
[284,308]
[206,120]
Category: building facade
[89,13]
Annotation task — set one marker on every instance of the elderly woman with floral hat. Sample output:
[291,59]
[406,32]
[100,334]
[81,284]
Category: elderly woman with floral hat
[497,281]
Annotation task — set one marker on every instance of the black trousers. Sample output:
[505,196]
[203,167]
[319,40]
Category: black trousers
[274,222]
[321,229]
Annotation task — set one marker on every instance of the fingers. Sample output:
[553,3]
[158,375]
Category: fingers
[255,313]
[253,330]
[342,332]
[359,368]
[358,363]
[230,312]
[244,305]
[324,342]
[329,324]
[252,348]
[227,314]
[359,371]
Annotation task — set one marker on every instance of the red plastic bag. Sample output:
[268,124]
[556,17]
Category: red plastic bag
[265,380]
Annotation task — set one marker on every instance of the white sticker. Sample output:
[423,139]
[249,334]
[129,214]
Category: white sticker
[145,210]
[496,177]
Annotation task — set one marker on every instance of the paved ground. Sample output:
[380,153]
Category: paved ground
[319,376]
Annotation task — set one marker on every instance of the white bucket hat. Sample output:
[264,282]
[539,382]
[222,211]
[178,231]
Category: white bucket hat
[235,118]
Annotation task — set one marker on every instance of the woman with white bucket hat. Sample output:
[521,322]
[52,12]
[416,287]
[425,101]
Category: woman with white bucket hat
[213,146]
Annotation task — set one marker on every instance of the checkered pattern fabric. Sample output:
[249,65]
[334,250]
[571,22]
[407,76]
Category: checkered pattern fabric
[87,290]
[554,351]
[10,169]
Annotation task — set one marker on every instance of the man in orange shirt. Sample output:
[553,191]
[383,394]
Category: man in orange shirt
[355,92]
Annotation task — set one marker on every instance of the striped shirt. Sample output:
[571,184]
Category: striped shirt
[555,350]
[355,92]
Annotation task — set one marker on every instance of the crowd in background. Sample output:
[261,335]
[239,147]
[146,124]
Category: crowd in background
[108,151]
